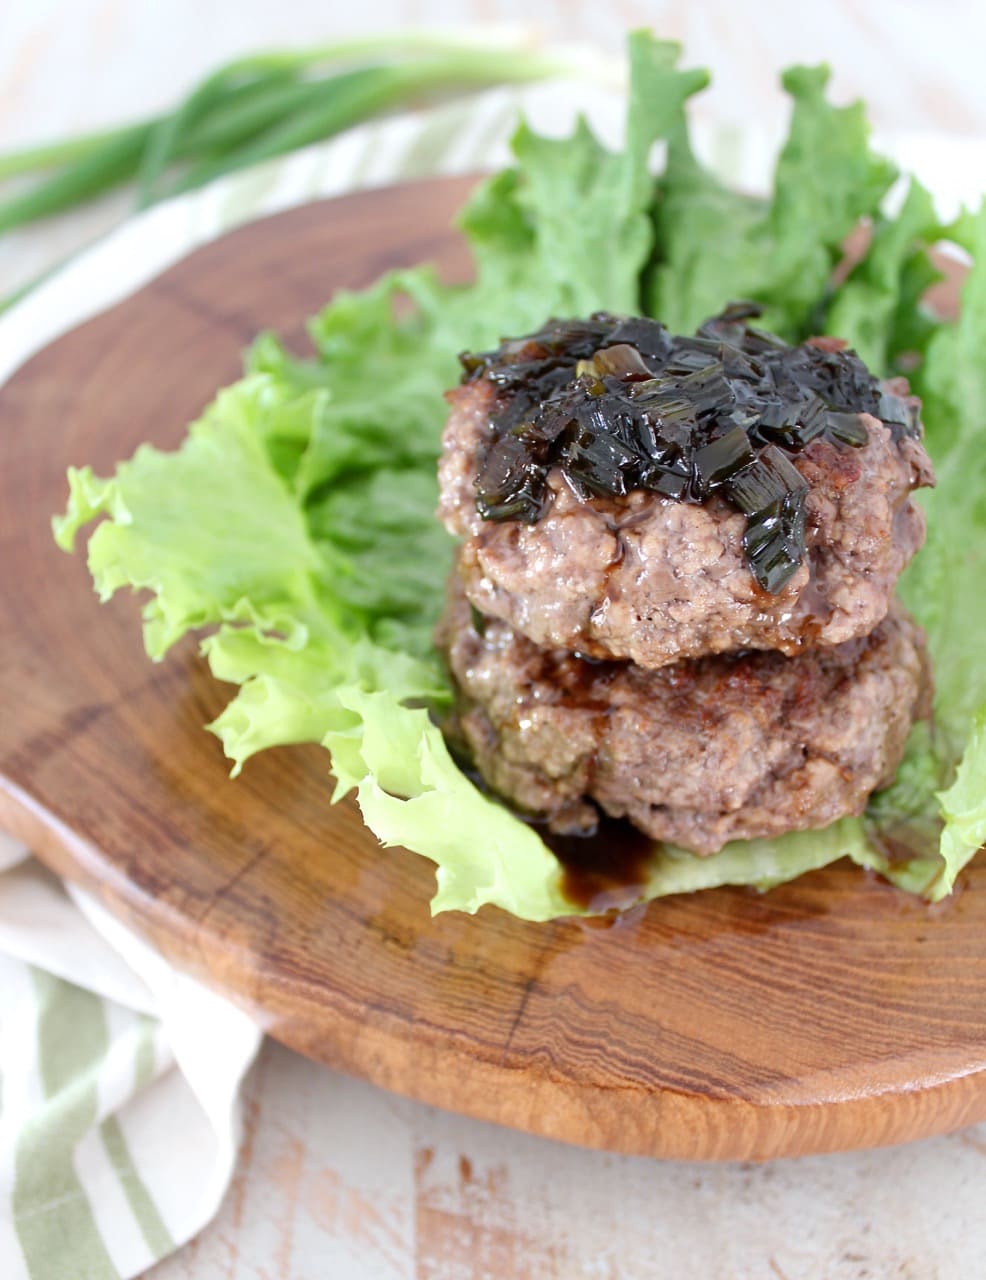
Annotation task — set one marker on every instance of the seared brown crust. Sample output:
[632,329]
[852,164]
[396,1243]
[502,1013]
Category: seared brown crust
[696,753]
[654,581]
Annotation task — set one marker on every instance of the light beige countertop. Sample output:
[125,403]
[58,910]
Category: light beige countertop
[337,1178]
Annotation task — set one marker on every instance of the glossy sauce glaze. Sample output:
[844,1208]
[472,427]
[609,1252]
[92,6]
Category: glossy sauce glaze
[603,869]
[619,405]
[606,869]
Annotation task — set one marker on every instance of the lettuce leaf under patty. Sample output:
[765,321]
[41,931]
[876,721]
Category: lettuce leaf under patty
[295,525]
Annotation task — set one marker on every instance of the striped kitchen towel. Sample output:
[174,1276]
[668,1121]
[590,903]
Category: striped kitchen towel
[120,1077]
[118,1125]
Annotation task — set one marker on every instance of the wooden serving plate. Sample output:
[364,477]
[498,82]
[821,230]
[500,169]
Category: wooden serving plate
[834,1012]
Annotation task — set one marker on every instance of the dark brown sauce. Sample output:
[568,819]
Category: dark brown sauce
[605,870]
[619,406]
[581,681]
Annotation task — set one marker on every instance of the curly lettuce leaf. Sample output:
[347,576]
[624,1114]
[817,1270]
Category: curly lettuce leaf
[964,808]
[878,310]
[943,586]
[250,563]
[584,211]
[693,210]
[716,245]
[827,179]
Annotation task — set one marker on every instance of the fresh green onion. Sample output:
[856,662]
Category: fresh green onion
[257,107]
[332,105]
[170,131]
[52,155]
[343,100]
[242,115]
[100,170]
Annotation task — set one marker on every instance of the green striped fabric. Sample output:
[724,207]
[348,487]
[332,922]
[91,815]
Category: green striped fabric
[95,1183]
[53,1216]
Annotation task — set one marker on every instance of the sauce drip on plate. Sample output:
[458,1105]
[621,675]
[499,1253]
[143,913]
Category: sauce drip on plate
[604,870]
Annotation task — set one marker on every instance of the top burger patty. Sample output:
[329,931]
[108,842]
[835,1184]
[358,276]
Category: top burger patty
[793,539]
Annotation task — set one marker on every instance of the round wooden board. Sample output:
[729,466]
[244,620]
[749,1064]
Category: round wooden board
[834,1012]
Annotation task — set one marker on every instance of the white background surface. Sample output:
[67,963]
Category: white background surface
[338,1179]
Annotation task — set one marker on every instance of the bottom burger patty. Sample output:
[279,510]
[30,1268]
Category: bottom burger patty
[698,753]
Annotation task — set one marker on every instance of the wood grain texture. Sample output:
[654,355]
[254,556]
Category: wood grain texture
[831,1013]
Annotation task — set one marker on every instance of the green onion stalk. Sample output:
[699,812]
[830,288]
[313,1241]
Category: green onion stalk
[255,108]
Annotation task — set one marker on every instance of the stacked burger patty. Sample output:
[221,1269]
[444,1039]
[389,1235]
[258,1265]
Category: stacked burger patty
[674,601]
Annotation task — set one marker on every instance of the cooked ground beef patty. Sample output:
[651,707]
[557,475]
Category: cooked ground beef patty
[696,753]
[654,580]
